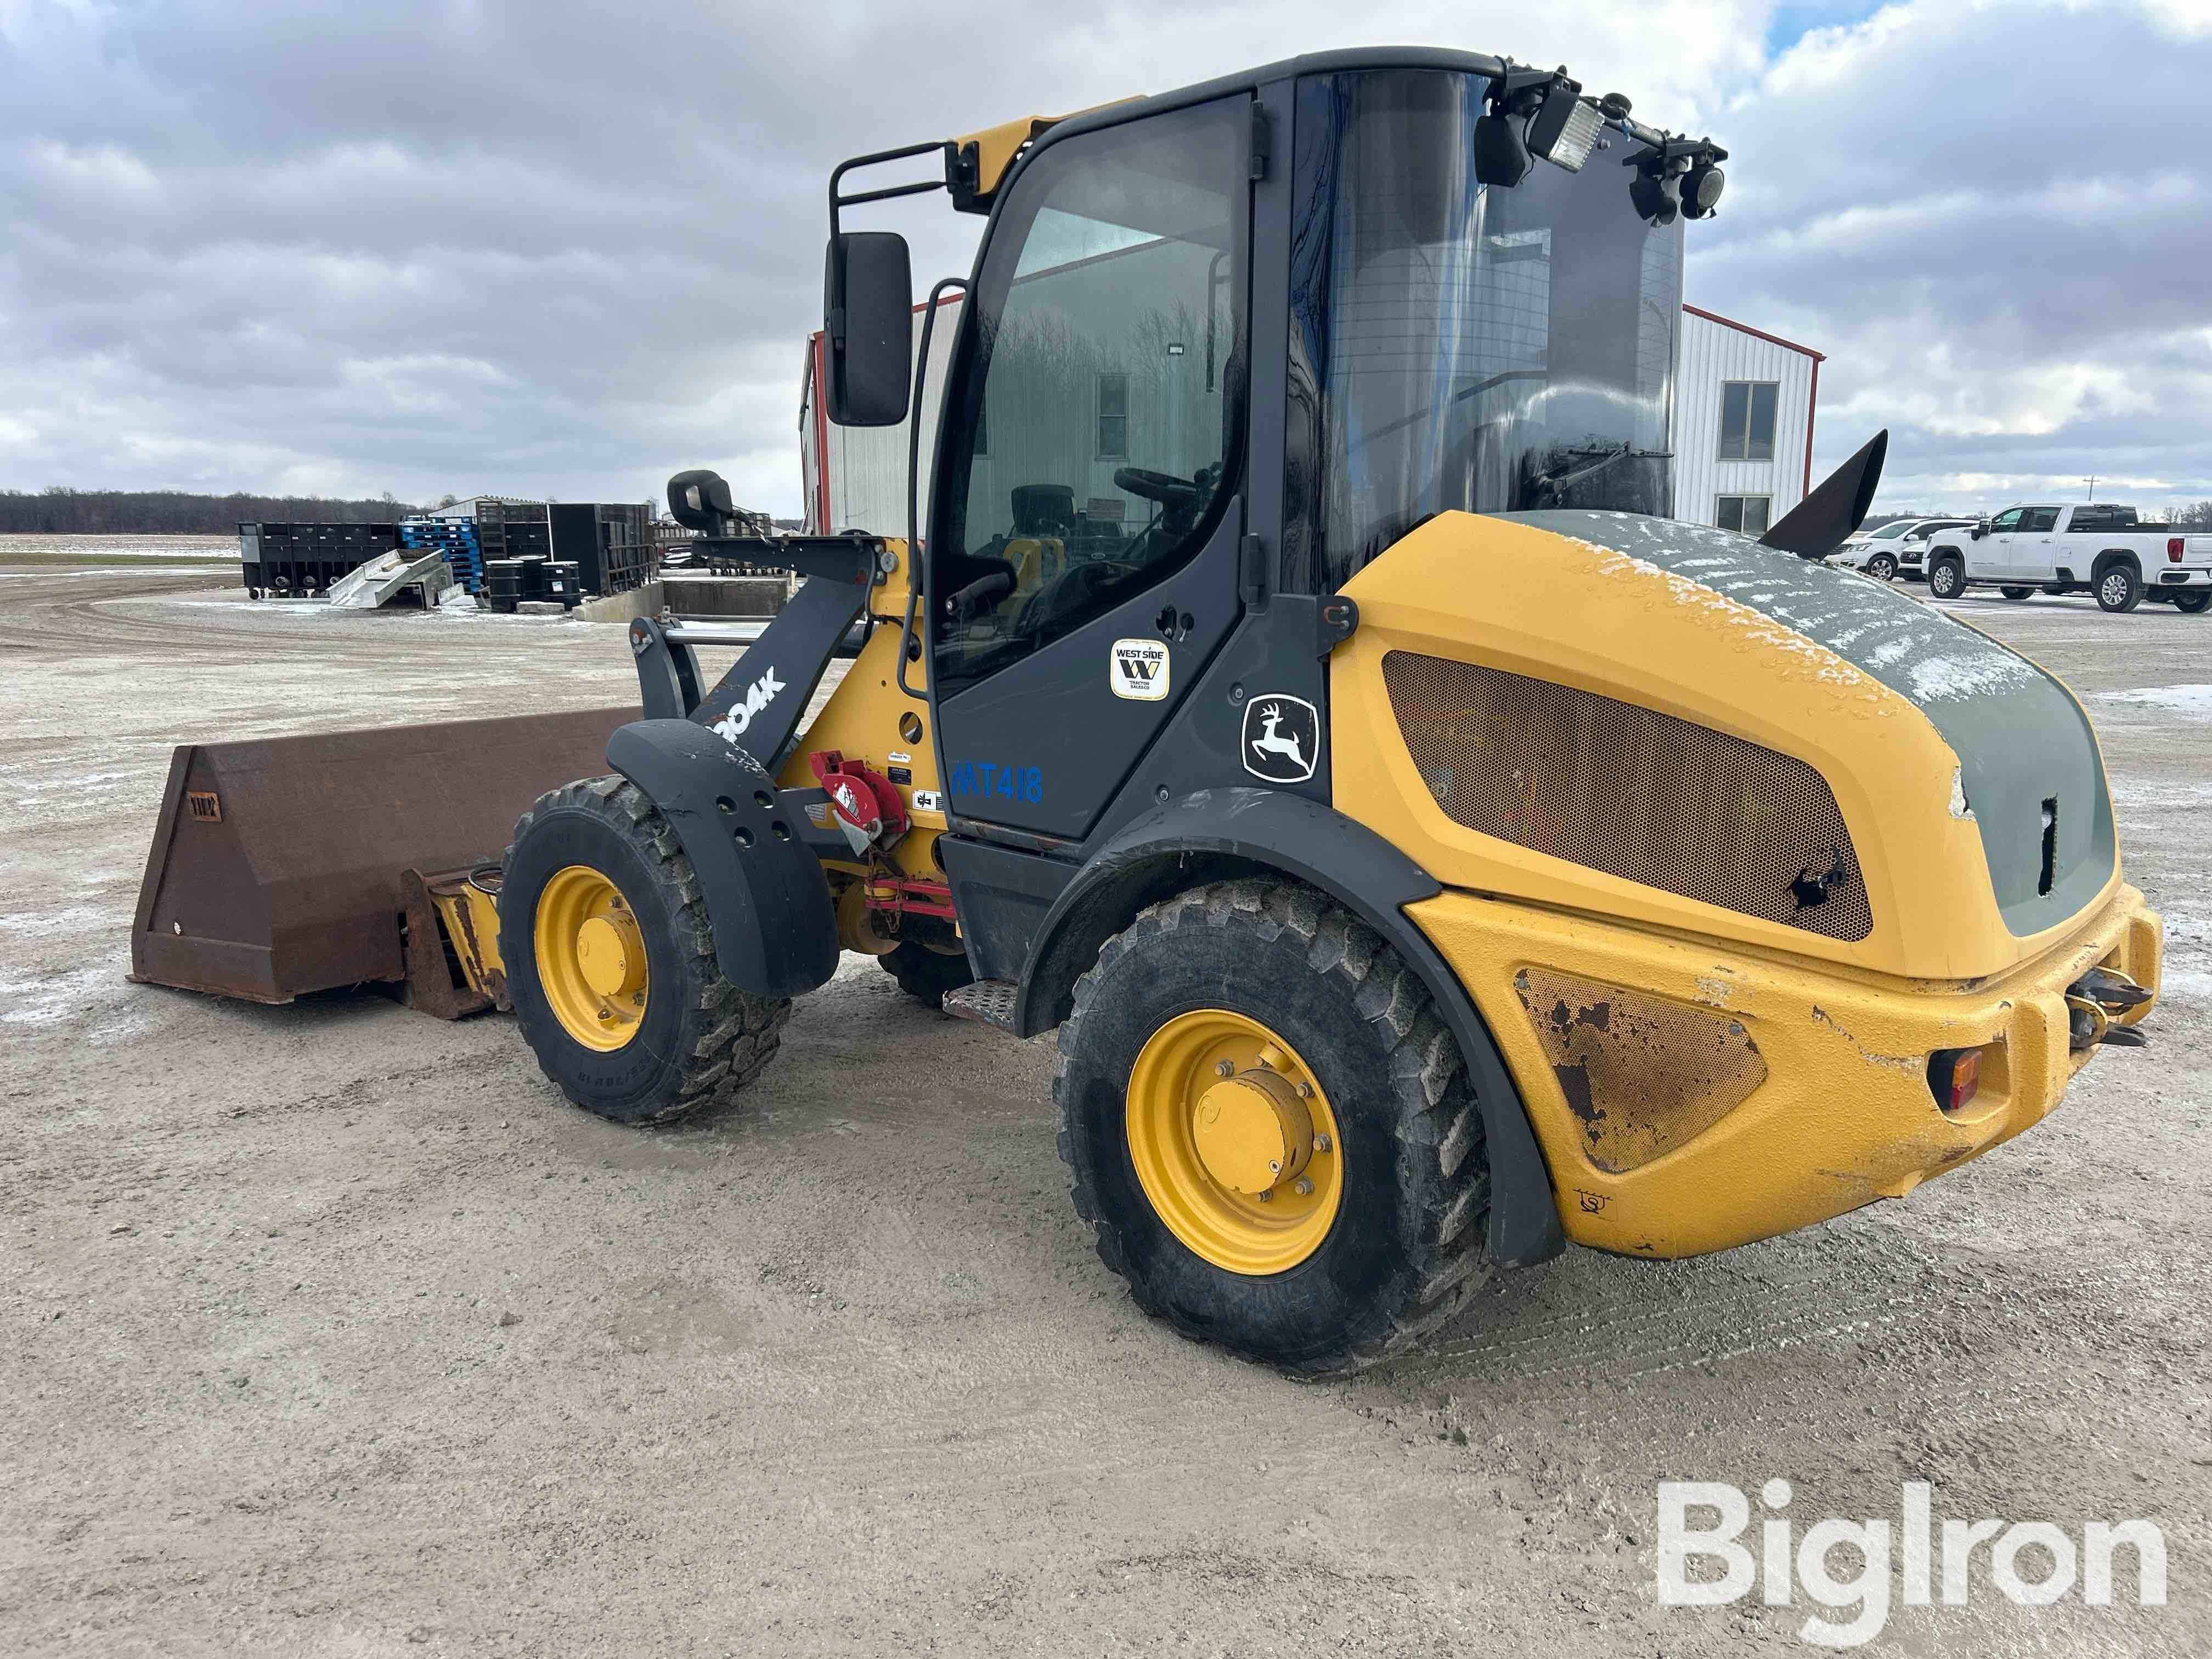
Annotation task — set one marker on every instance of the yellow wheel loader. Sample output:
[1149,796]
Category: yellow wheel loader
[1429,852]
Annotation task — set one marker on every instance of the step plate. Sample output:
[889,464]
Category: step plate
[990,1001]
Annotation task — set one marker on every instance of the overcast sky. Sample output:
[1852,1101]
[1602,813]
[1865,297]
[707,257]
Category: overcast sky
[552,248]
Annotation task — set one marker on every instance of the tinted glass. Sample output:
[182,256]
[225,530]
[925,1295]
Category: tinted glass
[2102,518]
[1763,394]
[1729,513]
[2005,521]
[1735,418]
[1455,346]
[2039,518]
[1107,337]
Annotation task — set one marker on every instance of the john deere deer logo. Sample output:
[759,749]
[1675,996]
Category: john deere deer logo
[1282,738]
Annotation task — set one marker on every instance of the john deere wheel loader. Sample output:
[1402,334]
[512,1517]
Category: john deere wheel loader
[1428,851]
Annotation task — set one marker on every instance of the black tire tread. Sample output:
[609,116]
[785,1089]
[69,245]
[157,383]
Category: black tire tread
[2136,589]
[732,1035]
[1440,1127]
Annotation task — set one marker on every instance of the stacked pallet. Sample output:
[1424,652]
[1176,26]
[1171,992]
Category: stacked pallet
[455,538]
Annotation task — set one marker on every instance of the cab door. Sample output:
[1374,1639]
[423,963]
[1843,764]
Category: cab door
[1990,559]
[2034,555]
[1087,506]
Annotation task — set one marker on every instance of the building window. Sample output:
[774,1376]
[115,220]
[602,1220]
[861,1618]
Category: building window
[1113,417]
[1747,420]
[1745,513]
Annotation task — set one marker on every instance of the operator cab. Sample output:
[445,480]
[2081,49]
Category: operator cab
[1221,348]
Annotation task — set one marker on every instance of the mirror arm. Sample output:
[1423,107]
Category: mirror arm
[916,568]
[937,146]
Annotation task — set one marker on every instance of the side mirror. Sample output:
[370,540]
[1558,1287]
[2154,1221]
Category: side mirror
[1980,529]
[867,328]
[700,500]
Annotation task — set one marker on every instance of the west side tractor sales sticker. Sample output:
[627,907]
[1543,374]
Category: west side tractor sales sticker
[1137,670]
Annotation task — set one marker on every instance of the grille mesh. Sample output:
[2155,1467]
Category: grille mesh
[1639,795]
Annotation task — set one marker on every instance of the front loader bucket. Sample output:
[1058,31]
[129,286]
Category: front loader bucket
[278,865]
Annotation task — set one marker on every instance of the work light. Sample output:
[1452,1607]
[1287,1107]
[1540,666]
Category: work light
[1533,112]
[1657,190]
[1564,129]
[1701,187]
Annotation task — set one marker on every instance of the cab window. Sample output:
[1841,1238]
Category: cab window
[1108,338]
[2038,518]
[2005,521]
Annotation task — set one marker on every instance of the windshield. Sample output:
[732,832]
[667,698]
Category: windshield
[1890,532]
[1455,346]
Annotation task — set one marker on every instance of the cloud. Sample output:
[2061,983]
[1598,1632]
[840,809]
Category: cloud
[548,246]
[2000,255]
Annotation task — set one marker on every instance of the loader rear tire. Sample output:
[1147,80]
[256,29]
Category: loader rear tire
[1399,1248]
[694,1039]
[925,974]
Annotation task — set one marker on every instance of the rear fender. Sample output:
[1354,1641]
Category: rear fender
[768,899]
[1215,831]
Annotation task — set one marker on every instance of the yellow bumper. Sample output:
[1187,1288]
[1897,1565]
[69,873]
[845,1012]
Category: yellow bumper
[1689,1098]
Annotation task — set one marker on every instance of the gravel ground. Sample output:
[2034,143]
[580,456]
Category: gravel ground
[333,1329]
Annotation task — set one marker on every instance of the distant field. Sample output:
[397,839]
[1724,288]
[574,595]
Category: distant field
[81,551]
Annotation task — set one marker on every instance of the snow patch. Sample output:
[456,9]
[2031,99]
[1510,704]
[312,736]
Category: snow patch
[2190,701]
[1853,626]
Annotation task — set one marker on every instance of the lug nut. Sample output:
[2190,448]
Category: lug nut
[1225,1068]
[1268,1197]
[1304,1187]
[1306,1091]
[1322,1143]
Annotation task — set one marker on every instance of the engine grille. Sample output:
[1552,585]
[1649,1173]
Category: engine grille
[1644,796]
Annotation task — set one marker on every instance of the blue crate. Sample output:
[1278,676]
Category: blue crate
[457,540]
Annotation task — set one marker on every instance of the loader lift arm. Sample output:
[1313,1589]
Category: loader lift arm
[707,760]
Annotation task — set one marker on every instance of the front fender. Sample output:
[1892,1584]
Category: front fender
[768,900]
[1317,845]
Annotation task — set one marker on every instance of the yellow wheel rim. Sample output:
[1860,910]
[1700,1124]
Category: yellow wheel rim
[1234,1142]
[591,957]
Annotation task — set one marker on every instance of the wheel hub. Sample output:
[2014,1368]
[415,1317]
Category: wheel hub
[1253,1132]
[591,957]
[611,954]
[1234,1142]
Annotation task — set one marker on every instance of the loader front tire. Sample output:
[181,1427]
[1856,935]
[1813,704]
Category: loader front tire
[611,964]
[1218,1019]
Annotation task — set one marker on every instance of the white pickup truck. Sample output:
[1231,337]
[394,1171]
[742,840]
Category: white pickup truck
[2100,548]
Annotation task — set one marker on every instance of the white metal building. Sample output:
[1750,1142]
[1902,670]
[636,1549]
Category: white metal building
[1743,432]
[1743,423]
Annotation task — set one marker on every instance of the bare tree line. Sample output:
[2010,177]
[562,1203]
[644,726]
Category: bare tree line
[62,512]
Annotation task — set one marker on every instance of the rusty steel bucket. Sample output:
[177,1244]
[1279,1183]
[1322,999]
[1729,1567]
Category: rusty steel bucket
[279,865]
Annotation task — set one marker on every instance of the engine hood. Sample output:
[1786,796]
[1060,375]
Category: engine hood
[1968,779]
[2021,739]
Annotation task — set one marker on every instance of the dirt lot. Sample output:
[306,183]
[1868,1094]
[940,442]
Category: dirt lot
[333,1329]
